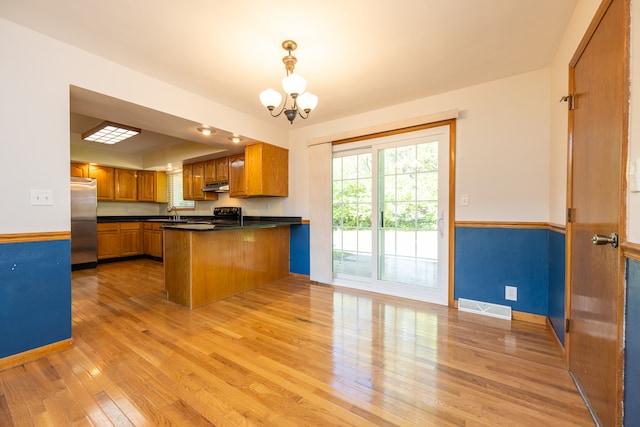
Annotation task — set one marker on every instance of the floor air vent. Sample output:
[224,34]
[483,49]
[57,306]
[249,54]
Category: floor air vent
[493,310]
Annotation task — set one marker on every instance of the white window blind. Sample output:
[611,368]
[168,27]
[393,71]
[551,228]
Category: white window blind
[174,192]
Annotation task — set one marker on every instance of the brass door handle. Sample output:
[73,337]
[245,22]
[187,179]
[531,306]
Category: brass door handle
[612,240]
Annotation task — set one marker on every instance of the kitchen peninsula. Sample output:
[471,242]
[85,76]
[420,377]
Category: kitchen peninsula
[205,262]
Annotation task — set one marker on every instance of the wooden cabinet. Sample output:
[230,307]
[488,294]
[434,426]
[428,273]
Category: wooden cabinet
[210,174]
[108,240]
[152,239]
[130,238]
[193,176]
[216,170]
[104,181]
[119,239]
[263,170]
[237,177]
[126,185]
[80,170]
[222,169]
[197,180]
[152,186]
[187,182]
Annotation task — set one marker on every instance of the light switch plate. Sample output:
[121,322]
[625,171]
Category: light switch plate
[41,197]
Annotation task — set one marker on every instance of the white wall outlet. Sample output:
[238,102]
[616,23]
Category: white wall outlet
[464,200]
[511,293]
[41,197]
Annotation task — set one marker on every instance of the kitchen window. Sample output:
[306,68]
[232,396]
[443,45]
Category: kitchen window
[174,192]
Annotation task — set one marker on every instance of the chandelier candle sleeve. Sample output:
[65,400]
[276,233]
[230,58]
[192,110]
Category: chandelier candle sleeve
[297,102]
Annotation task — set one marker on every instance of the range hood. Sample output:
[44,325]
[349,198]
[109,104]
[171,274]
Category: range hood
[217,187]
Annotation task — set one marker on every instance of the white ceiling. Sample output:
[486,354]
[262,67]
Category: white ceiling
[357,55]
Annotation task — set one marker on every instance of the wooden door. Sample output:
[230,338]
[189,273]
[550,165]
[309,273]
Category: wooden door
[598,126]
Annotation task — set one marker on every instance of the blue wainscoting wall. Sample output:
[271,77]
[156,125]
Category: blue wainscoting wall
[632,346]
[299,249]
[35,295]
[488,259]
[557,263]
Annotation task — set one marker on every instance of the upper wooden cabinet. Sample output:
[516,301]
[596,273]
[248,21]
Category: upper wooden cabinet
[152,186]
[222,169]
[237,177]
[263,170]
[80,170]
[193,176]
[104,181]
[126,185]
[216,170]
[187,182]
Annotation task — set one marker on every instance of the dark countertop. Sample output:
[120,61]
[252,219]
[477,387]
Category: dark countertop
[218,227]
[198,222]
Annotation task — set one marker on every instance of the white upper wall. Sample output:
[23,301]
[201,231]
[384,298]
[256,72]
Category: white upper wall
[35,76]
[502,147]
[511,139]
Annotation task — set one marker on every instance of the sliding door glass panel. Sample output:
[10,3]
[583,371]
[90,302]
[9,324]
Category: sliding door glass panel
[352,210]
[408,225]
[390,214]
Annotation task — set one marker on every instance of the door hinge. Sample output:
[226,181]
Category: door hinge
[567,324]
[571,214]
[569,99]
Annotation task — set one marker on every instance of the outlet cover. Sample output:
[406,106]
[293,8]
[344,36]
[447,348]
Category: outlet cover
[511,293]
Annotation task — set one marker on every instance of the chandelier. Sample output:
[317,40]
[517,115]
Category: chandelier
[301,102]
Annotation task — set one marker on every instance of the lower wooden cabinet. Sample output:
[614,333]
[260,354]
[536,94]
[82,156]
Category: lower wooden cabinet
[119,239]
[130,238]
[152,239]
[108,240]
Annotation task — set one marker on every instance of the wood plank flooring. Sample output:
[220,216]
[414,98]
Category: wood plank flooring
[290,353]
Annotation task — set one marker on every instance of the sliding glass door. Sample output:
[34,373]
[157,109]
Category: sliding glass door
[390,202]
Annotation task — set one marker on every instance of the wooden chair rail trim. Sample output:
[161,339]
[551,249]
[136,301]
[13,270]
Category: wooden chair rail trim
[35,237]
[506,224]
[631,250]
[35,354]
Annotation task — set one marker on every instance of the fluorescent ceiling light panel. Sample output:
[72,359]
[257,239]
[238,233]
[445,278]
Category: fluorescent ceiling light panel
[110,133]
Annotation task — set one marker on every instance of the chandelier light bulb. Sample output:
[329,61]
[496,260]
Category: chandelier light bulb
[307,101]
[293,84]
[270,98]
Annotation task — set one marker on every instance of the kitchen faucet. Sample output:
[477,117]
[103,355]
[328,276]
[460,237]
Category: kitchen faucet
[176,214]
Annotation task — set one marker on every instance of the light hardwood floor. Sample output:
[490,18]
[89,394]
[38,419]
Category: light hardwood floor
[290,353]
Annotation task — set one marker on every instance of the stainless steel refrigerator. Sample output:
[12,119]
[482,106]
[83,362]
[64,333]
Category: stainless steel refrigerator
[84,233]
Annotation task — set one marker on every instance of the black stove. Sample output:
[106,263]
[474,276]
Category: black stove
[229,215]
